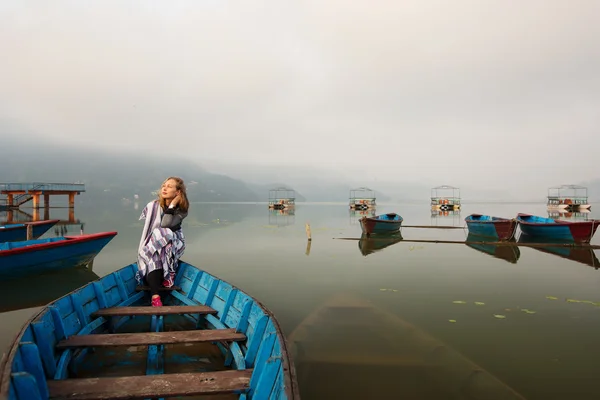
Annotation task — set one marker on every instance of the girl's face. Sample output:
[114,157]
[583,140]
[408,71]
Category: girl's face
[168,191]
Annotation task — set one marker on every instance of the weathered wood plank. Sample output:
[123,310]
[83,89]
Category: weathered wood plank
[150,338]
[161,289]
[164,310]
[151,386]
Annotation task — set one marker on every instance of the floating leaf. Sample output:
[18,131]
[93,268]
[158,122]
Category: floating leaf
[551,298]
[459,302]
[452,320]
[587,301]
[507,309]
[499,316]
[383,290]
[528,311]
[573,301]
[394,290]
[479,303]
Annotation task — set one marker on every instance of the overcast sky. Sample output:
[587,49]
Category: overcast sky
[441,91]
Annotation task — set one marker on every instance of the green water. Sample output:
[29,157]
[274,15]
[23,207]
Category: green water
[549,354]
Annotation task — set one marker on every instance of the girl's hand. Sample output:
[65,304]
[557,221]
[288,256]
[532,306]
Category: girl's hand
[175,201]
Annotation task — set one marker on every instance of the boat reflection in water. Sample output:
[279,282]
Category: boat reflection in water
[446,218]
[282,217]
[348,348]
[505,252]
[578,254]
[581,215]
[356,215]
[370,245]
[36,290]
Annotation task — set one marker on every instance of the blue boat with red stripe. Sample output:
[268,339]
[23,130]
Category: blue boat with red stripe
[501,229]
[42,255]
[17,232]
[384,223]
[104,341]
[555,229]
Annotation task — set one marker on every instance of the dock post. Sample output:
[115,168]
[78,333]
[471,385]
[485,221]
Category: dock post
[46,200]
[9,199]
[71,200]
[308,235]
[36,200]
[29,232]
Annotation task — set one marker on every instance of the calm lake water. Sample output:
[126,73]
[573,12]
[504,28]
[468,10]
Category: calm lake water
[399,300]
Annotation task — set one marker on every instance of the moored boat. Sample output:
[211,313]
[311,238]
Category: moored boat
[491,227]
[17,232]
[383,223]
[42,255]
[163,352]
[349,348]
[569,231]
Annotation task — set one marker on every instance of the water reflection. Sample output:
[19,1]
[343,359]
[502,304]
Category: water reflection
[506,253]
[446,218]
[349,339]
[38,290]
[356,215]
[582,215]
[578,254]
[282,217]
[70,225]
[370,245]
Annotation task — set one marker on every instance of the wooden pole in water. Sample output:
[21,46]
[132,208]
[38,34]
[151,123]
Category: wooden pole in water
[29,232]
[308,235]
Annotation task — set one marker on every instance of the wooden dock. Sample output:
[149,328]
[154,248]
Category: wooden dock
[14,195]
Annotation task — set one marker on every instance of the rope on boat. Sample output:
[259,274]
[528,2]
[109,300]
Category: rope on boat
[575,245]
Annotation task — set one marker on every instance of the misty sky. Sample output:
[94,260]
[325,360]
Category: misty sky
[439,91]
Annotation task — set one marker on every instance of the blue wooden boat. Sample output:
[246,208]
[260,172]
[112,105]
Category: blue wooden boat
[16,232]
[142,352]
[384,223]
[43,255]
[491,227]
[569,231]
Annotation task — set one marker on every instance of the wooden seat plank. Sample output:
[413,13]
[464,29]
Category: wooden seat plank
[164,310]
[150,338]
[150,386]
[161,289]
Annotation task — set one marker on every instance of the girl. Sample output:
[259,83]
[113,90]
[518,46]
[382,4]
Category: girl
[162,243]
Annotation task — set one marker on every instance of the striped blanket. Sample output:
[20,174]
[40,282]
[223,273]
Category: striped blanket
[160,248]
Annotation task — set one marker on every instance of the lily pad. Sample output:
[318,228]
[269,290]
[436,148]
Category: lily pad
[551,298]
[527,311]
[573,301]
[459,302]
[499,316]
[479,303]
[452,320]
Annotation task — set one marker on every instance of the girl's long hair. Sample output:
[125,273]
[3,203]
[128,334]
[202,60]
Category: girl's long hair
[184,204]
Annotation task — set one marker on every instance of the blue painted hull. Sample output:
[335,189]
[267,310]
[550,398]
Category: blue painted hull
[18,232]
[385,223]
[540,227]
[35,256]
[50,356]
[486,226]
